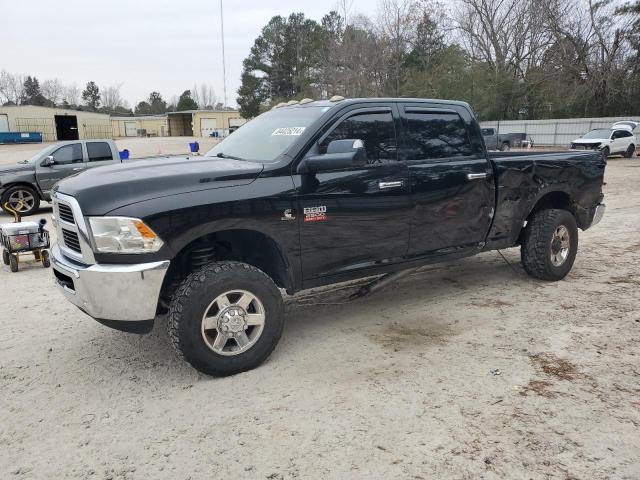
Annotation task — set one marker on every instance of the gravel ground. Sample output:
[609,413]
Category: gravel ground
[464,370]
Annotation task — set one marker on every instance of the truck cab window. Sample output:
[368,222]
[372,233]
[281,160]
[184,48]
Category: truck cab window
[376,130]
[99,151]
[68,154]
[435,135]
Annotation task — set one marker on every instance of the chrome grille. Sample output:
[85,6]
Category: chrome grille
[65,213]
[71,240]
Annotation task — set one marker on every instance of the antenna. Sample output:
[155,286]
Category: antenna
[224,66]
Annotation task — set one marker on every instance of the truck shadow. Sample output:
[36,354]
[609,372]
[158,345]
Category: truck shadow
[313,316]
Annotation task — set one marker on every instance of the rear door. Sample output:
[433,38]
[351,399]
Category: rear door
[99,154]
[355,218]
[68,161]
[451,179]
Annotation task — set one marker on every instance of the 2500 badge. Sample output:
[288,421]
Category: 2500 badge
[315,214]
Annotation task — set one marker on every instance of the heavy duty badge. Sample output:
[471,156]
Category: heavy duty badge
[288,215]
[315,214]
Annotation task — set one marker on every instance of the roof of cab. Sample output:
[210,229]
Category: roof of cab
[357,101]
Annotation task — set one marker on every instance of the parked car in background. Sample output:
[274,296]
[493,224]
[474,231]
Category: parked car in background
[25,185]
[619,139]
[302,196]
[502,141]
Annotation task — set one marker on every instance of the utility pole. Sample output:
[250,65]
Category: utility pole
[224,63]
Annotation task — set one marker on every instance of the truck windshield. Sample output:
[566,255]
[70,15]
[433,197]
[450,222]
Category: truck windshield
[600,133]
[266,137]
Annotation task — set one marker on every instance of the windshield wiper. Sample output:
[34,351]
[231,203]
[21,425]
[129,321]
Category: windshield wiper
[230,157]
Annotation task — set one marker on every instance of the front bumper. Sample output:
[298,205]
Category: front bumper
[126,293]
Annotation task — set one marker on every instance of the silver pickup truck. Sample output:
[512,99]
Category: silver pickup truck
[24,185]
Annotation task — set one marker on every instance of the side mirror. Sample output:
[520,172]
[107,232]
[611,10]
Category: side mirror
[48,161]
[340,154]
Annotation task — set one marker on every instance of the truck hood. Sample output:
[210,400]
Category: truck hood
[16,168]
[590,141]
[104,189]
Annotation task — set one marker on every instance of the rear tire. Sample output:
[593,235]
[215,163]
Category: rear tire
[630,151]
[13,263]
[5,257]
[550,244]
[226,337]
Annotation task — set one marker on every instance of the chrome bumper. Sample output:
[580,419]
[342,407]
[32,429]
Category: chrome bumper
[110,292]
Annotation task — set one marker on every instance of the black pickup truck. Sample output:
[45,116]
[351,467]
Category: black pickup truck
[305,195]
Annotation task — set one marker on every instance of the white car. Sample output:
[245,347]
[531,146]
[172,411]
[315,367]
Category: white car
[619,139]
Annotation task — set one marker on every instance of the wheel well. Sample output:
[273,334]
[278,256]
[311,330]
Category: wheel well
[22,184]
[247,246]
[559,200]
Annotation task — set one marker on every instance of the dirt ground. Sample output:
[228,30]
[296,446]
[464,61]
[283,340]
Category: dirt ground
[465,370]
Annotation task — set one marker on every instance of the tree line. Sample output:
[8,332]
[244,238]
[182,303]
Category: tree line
[27,90]
[509,59]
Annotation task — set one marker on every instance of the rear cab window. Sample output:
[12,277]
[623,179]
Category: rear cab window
[434,133]
[99,151]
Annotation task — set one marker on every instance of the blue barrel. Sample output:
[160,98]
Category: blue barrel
[194,147]
[124,154]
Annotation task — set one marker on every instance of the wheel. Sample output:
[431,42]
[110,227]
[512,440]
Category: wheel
[630,151]
[21,198]
[44,258]
[505,147]
[550,244]
[13,262]
[5,257]
[606,152]
[226,318]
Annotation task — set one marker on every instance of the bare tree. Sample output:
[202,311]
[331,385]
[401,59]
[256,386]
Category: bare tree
[111,97]
[52,90]
[71,94]
[11,88]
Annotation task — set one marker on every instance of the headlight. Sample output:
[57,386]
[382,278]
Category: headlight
[123,235]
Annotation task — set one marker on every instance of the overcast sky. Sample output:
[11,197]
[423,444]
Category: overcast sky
[163,45]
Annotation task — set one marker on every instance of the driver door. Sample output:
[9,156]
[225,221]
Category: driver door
[355,218]
[69,160]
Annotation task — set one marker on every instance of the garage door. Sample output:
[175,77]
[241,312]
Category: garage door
[237,122]
[208,126]
[4,123]
[130,129]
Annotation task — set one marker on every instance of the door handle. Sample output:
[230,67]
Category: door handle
[388,185]
[476,176]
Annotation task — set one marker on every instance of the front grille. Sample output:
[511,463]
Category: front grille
[65,213]
[71,240]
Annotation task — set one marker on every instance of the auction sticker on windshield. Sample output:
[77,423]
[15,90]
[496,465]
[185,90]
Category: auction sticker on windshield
[289,131]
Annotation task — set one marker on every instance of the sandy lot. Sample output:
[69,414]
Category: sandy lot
[402,384]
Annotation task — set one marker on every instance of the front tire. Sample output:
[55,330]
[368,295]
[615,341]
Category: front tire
[5,257]
[550,244]
[226,318]
[505,147]
[606,152]
[13,263]
[21,198]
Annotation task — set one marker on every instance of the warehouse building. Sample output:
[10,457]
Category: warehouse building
[55,123]
[203,123]
[143,126]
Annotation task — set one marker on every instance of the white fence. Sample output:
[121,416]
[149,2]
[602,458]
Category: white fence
[556,132]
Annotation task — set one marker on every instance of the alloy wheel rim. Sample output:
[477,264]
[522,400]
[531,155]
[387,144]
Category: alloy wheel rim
[560,245]
[21,201]
[233,322]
